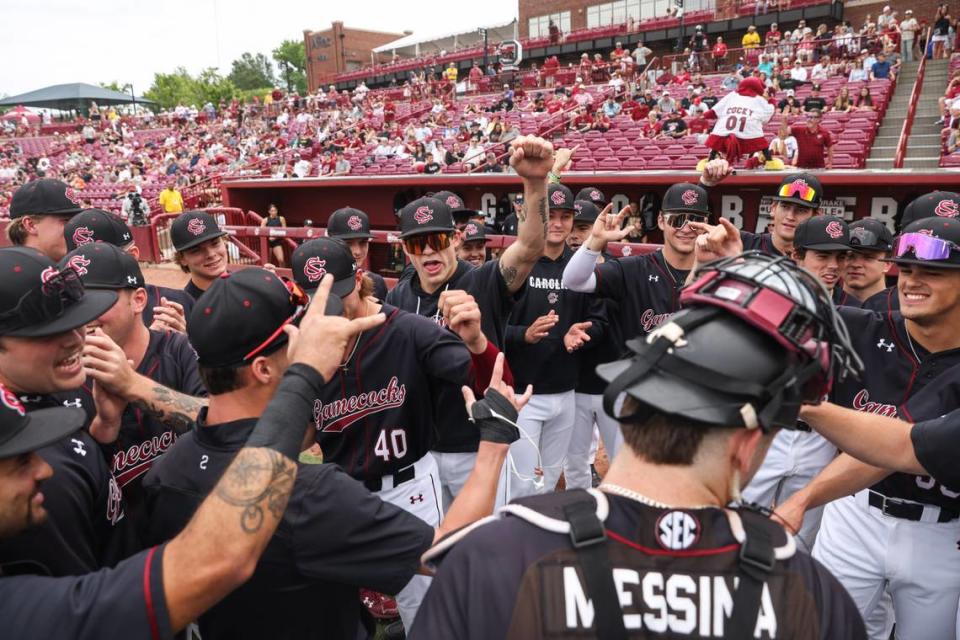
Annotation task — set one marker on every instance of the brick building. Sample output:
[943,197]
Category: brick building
[339,49]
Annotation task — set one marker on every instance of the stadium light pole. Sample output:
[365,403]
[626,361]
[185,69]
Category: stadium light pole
[484,32]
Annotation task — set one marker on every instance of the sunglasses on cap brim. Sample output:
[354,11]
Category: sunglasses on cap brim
[802,191]
[299,298]
[866,239]
[924,247]
[417,245]
[679,220]
[47,301]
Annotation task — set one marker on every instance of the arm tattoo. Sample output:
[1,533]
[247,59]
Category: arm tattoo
[176,410]
[509,274]
[544,215]
[522,213]
[257,479]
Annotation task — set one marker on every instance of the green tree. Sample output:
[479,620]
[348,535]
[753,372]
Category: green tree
[113,85]
[252,72]
[170,89]
[291,57]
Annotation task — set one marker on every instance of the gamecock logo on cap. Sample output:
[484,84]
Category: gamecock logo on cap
[471,229]
[71,194]
[454,202]
[595,195]
[82,236]
[354,223]
[558,197]
[11,401]
[578,207]
[314,269]
[48,274]
[947,209]
[79,263]
[858,234]
[926,232]
[834,230]
[689,197]
[196,226]
[423,214]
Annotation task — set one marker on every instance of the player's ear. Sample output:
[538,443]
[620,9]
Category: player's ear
[134,251]
[887,265]
[457,239]
[661,224]
[138,301]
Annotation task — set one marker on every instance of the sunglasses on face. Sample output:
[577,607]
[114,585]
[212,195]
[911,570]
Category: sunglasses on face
[417,245]
[45,302]
[924,247]
[680,220]
[798,189]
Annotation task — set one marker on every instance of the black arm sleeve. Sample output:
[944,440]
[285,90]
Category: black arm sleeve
[124,602]
[936,443]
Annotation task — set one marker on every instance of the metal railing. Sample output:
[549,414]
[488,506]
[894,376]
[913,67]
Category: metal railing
[901,154]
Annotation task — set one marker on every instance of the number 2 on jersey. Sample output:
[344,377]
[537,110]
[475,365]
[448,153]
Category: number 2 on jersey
[390,446]
[731,123]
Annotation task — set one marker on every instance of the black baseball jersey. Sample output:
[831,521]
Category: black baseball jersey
[172,362]
[936,444]
[673,568]
[86,527]
[127,601]
[380,413]
[843,299]
[547,364]
[486,285]
[193,290]
[646,288]
[759,242]
[379,286]
[884,302]
[335,537]
[154,293]
[899,372]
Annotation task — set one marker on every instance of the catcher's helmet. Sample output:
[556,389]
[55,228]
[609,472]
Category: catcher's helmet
[758,336]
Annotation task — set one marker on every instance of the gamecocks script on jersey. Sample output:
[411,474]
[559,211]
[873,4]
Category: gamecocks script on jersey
[335,416]
[678,604]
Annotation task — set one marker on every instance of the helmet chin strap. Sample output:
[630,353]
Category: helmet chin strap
[735,495]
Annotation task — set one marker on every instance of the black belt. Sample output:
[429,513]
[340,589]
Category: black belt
[376,484]
[912,511]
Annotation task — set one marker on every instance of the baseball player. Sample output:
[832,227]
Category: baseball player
[591,420]
[646,287]
[473,248]
[201,249]
[656,551]
[797,199]
[42,312]
[796,456]
[593,195]
[157,592]
[336,536]
[378,418]
[547,329]
[429,242]
[119,346]
[166,308]
[898,532]
[941,204]
[866,268]
[38,211]
[353,227]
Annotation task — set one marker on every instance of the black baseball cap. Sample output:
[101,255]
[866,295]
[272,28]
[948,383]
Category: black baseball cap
[822,233]
[104,266]
[943,204]
[192,228]
[425,215]
[560,197]
[22,432]
[38,300]
[473,232]
[803,189]
[586,211]
[869,234]
[349,224]
[45,197]
[455,203]
[686,197]
[242,316]
[314,259]
[96,225]
[937,227]
[592,194]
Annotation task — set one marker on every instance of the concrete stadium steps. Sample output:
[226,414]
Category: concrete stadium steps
[923,145]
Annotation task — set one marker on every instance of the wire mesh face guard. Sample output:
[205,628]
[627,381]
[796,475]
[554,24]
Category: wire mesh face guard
[773,295]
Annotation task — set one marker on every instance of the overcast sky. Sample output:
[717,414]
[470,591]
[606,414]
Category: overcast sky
[48,42]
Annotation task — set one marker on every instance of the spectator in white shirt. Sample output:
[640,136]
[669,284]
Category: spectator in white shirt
[798,72]
[821,70]
[666,104]
[908,35]
[383,149]
[474,155]
[784,145]
[301,169]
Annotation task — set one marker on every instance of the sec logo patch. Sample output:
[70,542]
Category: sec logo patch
[677,530]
